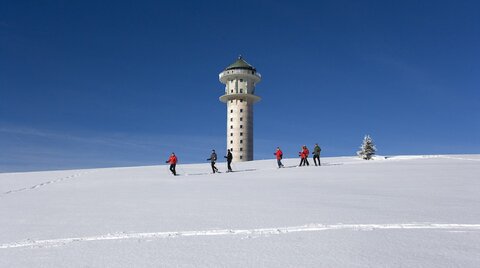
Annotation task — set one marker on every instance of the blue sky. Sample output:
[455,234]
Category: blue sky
[119,83]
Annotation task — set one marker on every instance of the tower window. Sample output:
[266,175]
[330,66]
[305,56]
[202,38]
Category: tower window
[241,157]
[241,118]
[241,110]
[241,133]
[241,149]
[231,101]
[231,127]
[231,141]
[241,100]
[231,111]
[241,126]
[241,141]
[231,119]
[231,91]
[241,90]
[241,80]
[231,134]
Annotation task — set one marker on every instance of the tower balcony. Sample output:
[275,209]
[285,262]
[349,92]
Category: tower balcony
[239,73]
[239,96]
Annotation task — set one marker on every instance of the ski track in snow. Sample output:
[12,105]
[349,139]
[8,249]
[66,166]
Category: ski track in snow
[33,187]
[248,233]
[219,172]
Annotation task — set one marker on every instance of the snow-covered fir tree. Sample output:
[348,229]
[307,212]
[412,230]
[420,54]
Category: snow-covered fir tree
[367,150]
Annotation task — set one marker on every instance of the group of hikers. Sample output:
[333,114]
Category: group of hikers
[213,159]
[303,154]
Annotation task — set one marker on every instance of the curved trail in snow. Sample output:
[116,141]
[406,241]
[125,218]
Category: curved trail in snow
[44,183]
[244,232]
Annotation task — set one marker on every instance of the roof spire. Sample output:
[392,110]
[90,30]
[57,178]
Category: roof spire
[240,63]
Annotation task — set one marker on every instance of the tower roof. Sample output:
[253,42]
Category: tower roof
[240,63]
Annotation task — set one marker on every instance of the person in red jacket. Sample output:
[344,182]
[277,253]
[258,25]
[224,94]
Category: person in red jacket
[279,156]
[304,156]
[306,152]
[173,162]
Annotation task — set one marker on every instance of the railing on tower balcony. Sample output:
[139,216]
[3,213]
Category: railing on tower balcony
[239,71]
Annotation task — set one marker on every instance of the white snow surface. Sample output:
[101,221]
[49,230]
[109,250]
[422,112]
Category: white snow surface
[401,211]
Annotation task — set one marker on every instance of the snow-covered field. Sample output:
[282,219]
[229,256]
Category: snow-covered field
[404,211]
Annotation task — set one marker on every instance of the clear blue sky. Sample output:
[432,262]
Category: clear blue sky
[119,83]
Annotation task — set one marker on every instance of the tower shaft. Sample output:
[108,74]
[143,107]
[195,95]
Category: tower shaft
[240,129]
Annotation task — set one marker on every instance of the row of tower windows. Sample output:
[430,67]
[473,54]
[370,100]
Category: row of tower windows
[231,119]
[241,150]
[241,126]
[231,134]
[241,110]
[231,142]
[231,101]
[241,91]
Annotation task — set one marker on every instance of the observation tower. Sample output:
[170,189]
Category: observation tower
[240,79]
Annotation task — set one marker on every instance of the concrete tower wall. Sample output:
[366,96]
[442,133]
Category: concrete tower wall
[240,129]
[236,86]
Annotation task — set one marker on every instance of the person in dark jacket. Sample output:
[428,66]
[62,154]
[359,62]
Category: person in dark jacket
[229,158]
[279,156]
[213,159]
[173,163]
[316,154]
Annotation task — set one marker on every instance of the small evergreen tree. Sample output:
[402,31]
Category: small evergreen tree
[367,150]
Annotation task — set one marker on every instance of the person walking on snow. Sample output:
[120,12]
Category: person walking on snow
[213,159]
[173,162]
[279,156]
[304,156]
[306,152]
[229,158]
[316,154]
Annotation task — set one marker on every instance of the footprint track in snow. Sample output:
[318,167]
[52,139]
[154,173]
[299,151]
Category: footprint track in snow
[33,187]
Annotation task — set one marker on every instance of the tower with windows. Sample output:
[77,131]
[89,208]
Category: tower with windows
[240,79]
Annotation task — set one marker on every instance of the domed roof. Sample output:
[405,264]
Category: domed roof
[240,63]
